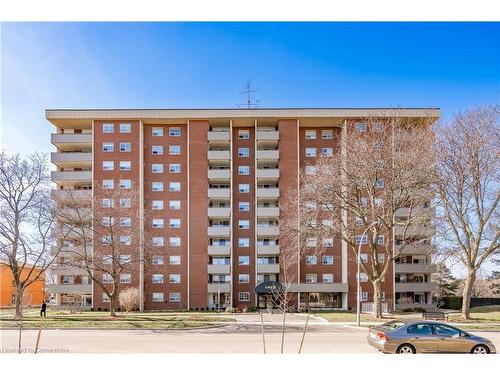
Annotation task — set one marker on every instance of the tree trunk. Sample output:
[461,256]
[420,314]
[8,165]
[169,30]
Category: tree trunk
[377,298]
[18,302]
[112,305]
[283,331]
[467,294]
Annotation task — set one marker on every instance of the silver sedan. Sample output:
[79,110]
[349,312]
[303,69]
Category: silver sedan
[423,336]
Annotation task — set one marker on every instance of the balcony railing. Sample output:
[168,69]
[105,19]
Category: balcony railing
[223,231]
[268,174]
[219,250]
[219,174]
[219,212]
[268,211]
[414,287]
[219,136]
[268,268]
[218,155]
[268,192]
[219,269]
[219,287]
[70,288]
[219,193]
[268,230]
[268,154]
[268,249]
[414,268]
[71,176]
[268,136]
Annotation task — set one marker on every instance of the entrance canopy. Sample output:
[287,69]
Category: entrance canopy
[268,287]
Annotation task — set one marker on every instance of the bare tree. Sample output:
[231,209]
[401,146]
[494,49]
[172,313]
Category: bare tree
[468,167]
[25,221]
[377,188]
[108,236]
[130,299]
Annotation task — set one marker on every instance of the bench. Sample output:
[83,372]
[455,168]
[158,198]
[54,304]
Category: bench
[434,315]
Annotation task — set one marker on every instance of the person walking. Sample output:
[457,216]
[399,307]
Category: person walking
[43,311]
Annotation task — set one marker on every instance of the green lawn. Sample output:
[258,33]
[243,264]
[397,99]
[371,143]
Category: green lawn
[95,320]
[485,314]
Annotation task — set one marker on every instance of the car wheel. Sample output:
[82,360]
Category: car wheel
[406,349]
[480,349]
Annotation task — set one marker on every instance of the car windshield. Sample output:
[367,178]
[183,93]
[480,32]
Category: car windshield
[389,326]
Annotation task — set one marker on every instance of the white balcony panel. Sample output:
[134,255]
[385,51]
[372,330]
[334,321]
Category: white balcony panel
[268,211]
[414,287]
[69,250]
[218,136]
[71,176]
[71,195]
[218,212]
[268,174]
[75,141]
[404,306]
[268,268]
[66,270]
[429,212]
[268,136]
[268,231]
[71,159]
[219,174]
[219,250]
[319,287]
[218,155]
[414,268]
[268,250]
[219,287]
[268,192]
[70,288]
[219,269]
[268,154]
[219,193]
[219,231]
[414,231]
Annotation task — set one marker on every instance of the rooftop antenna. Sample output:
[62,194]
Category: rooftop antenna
[248,92]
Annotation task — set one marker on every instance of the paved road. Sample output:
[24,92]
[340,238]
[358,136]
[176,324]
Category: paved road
[241,337]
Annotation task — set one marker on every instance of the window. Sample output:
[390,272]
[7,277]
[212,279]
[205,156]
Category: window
[125,184]
[243,278]
[108,128]
[174,150]
[106,278]
[328,278]
[157,150]
[327,134]
[381,258]
[327,151]
[158,297]
[174,241]
[158,223]
[244,206]
[125,147]
[378,127]
[244,188]
[157,186]
[327,260]
[310,170]
[157,205]
[361,239]
[106,240]
[125,222]
[361,127]
[243,170]
[105,298]
[174,223]
[244,260]
[108,184]
[125,278]
[157,278]
[174,278]
[174,168]
[420,329]
[311,260]
[359,221]
[328,242]
[107,221]
[158,241]
[157,260]
[379,184]
[380,239]
[364,296]
[243,134]
[243,152]
[174,205]
[108,165]
[445,330]
[157,168]
[108,147]
[311,242]
[125,165]
[174,186]
[363,278]
[310,134]
[125,202]
[244,224]
[174,260]
[125,128]
[124,259]
[243,296]
[327,223]
[157,132]
[310,152]
[364,258]
[107,203]
[174,297]
[364,202]
[174,132]
[243,242]
[378,202]
[311,278]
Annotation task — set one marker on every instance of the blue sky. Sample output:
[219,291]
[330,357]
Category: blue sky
[168,65]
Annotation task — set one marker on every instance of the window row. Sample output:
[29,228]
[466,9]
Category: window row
[110,147]
[326,278]
[123,128]
[325,134]
[172,223]
[156,297]
[325,260]
[110,184]
[325,151]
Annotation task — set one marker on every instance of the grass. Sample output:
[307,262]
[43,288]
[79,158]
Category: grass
[484,314]
[102,320]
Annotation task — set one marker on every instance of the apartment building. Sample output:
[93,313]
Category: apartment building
[212,181]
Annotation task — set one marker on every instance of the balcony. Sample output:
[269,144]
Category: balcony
[219,212]
[268,136]
[71,195]
[219,269]
[219,136]
[268,212]
[268,268]
[319,287]
[268,192]
[70,250]
[219,174]
[219,231]
[268,250]
[268,174]
[273,230]
[66,270]
[421,231]
[216,250]
[219,288]
[414,268]
[268,154]
[219,155]
[61,177]
[69,233]
[219,193]
[415,249]
[72,141]
[423,212]
[414,287]
[70,215]
[70,288]
[71,159]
